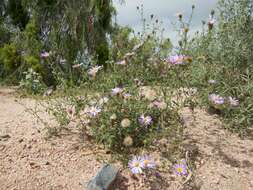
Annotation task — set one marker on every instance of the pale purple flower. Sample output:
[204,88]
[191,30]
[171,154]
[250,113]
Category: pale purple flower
[44,55]
[180,169]
[93,71]
[122,62]
[148,162]
[126,95]
[233,102]
[216,99]
[145,120]
[117,90]
[136,165]
[93,111]
[177,59]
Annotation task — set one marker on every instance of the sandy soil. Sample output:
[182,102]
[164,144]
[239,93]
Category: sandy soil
[29,162]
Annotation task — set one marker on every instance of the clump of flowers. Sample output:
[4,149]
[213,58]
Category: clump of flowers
[139,163]
[216,99]
[179,59]
[93,71]
[145,120]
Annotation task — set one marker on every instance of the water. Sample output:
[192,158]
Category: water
[164,10]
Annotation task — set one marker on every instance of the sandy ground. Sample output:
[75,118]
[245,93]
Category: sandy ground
[29,162]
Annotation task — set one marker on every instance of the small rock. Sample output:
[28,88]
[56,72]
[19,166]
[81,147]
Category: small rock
[104,178]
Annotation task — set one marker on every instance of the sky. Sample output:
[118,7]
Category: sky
[164,10]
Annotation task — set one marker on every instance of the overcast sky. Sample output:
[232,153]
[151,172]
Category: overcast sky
[165,10]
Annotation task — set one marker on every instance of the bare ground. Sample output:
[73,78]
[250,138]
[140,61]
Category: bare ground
[29,162]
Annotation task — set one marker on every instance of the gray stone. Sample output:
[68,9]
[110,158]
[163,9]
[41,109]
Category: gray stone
[104,178]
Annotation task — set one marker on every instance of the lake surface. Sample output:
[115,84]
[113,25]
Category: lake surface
[164,10]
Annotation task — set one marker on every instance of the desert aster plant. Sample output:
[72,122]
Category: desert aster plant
[145,120]
[216,99]
[136,165]
[180,169]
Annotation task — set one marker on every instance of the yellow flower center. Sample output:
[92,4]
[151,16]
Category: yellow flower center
[180,170]
[146,162]
[136,164]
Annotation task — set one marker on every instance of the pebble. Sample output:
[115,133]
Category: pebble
[104,178]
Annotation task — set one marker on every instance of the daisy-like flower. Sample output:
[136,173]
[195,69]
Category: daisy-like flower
[145,120]
[93,111]
[216,99]
[93,71]
[126,95]
[44,55]
[122,62]
[117,90]
[148,162]
[136,165]
[177,59]
[233,101]
[180,169]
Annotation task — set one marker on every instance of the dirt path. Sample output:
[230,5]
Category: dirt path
[29,162]
[225,162]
